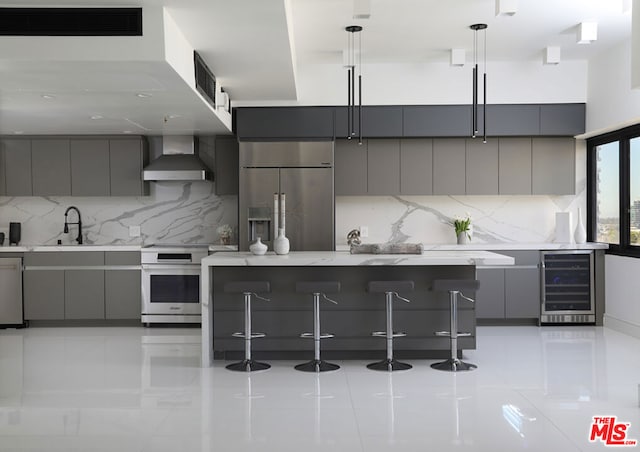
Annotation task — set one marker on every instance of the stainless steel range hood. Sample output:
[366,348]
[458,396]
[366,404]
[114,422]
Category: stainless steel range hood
[179,161]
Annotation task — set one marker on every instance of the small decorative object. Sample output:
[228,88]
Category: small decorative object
[353,237]
[225,232]
[581,233]
[463,228]
[281,243]
[258,248]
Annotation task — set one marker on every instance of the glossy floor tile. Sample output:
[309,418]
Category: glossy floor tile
[137,389]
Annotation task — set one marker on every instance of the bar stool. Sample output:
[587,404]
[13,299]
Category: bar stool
[455,288]
[317,288]
[248,288]
[390,288]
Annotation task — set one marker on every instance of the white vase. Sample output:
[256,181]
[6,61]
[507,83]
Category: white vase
[580,235]
[258,248]
[281,243]
[463,238]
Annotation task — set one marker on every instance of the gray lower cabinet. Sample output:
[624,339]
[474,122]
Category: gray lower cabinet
[449,174]
[482,167]
[383,167]
[510,293]
[350,171]
[553,166]
[416,166]
[122,288]
[84,294]
[51,167]
[514,166]
[43,294]
[16,167]
[89,167]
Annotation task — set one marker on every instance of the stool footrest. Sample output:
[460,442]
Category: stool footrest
[253,335]
[322,335]
[443,333]
[384,334]
[464,334]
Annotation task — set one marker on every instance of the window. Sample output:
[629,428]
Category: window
[613,195]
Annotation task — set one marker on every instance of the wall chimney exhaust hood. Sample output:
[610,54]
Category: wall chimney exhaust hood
[179,162]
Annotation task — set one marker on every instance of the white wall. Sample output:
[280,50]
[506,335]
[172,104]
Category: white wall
[612,102]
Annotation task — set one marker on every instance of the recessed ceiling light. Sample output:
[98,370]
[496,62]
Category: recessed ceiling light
[48,96]
[96,117]
[127,131]
[174,116]
[143,95]
[18,132]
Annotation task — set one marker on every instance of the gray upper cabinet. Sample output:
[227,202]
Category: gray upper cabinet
[436,121]
[350,167]
[481,167]
[16,170]
[510,120]
[51,167]
[284,123]
[383,167]
[449,174]
[127,157]
[553,166]
[377,121]
[562,119]
[416,166]
[514,172]
[89,167]
[226,165]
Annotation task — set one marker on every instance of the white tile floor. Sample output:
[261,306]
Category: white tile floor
[136,389]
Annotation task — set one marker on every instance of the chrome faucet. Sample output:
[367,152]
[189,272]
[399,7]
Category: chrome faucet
[79,223]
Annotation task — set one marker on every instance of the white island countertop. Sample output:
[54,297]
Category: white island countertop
[344,258]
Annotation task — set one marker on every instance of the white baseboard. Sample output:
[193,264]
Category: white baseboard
[622,326]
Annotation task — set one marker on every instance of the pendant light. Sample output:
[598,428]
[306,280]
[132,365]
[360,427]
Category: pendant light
[352,68]
[474,109]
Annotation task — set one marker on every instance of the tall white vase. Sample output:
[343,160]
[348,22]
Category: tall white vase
[580,234]
[281,243]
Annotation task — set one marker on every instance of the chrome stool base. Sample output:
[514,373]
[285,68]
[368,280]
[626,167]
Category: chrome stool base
[453,365]
[317,365]
[389,365]
[248,365]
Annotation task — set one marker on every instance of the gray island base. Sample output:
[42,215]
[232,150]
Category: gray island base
[357,314]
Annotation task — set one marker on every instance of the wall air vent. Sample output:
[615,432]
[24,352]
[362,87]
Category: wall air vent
[71,21]
[205,80]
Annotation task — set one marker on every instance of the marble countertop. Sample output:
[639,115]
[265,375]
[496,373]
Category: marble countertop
[506,246]
[29,248]
[344,258]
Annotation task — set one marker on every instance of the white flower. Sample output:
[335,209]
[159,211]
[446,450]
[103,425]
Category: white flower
[224,230]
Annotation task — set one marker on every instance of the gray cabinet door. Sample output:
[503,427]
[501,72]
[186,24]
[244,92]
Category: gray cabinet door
[553,166]
[122,294]
[416,166]
[449,166]
[89,167]
[562,119]
[17,167]
[51,167]
[436,120]
[482,167]
[514,173]
[43,294]
[350,170]
[510,119]
[522,293]
[84,294]
[377,121]
[126,159]
[226,166]
[490,297]
[383,167]
[284,122]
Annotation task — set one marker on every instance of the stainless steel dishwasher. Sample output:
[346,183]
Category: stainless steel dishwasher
[11,311]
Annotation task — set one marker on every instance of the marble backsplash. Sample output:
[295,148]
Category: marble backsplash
[174,212]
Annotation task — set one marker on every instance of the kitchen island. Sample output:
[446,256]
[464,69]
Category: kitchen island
[357,314]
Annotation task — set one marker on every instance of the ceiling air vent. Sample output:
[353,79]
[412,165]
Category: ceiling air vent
[205,80]
[71,21]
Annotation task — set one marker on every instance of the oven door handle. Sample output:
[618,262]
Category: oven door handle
[168,267]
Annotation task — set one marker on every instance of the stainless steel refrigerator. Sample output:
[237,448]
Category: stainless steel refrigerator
[303,172]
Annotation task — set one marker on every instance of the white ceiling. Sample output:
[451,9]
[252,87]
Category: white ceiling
[247,45]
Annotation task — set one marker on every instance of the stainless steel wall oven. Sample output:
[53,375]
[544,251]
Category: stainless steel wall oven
[171,283]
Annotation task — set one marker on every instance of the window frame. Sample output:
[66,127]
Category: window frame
[624,137]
